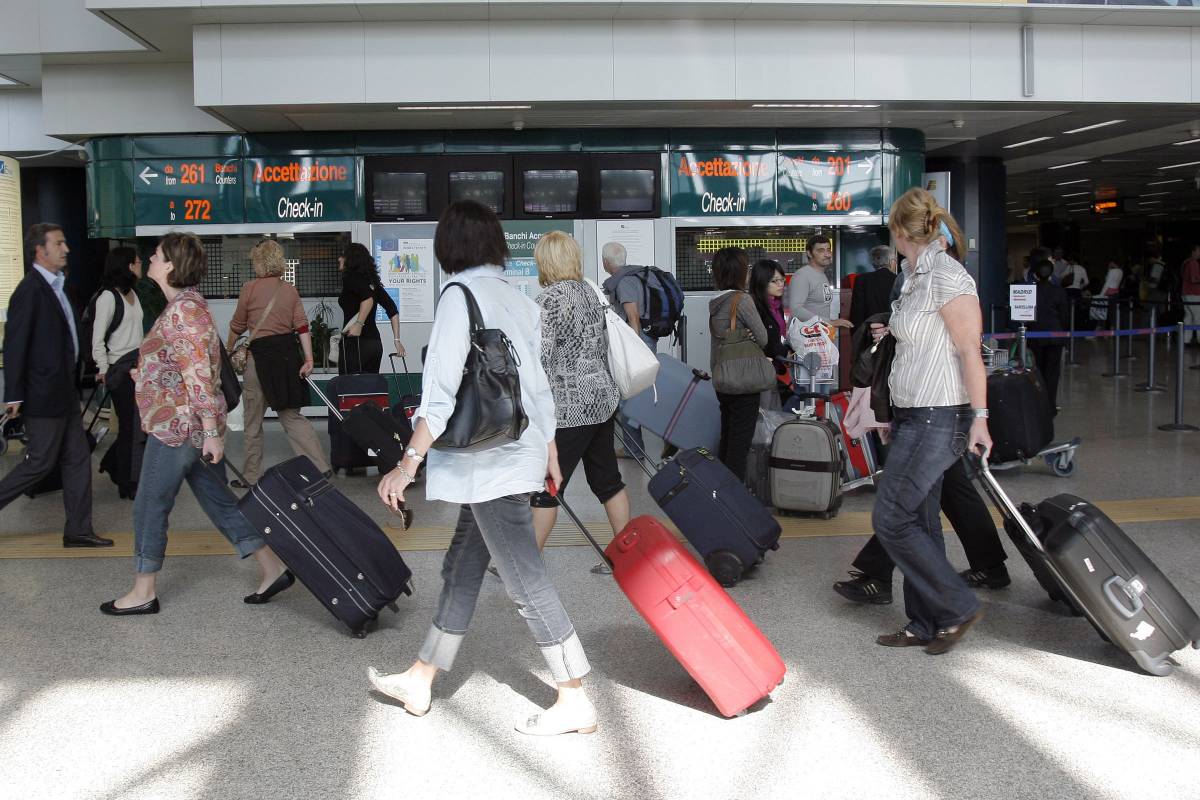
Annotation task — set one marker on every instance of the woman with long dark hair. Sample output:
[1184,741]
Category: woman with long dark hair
[115,351]
[362,348]
[767,285]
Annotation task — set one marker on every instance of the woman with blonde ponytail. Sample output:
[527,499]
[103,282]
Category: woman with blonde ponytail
[939,394]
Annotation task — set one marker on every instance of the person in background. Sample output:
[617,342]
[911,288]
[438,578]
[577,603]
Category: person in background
[872,291]
[279,360]
[574,353]
[810,294]
[1154,277]
[630,301]
[739,412]
[152,299]
[492,486]
[362,348]
[116,356]
[41,353]
[939,393]
[1062,268]
[1190,282]
[1110,290]
[178,384]
[1052,314]
[767,285]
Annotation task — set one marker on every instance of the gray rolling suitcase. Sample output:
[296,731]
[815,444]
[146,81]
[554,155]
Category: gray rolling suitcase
[680,408]
[804,473]
[1084,560]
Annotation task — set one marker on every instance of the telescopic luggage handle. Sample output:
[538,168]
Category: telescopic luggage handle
[977,468]
[552,490]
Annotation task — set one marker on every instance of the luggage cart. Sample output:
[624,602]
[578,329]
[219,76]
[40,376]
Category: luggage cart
[1060,458]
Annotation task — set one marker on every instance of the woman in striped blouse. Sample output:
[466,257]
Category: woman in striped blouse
[939,394]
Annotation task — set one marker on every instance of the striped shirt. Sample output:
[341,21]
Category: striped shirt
[926,370]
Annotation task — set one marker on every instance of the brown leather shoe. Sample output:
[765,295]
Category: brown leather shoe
[901,638]
[946,639]
[91,540]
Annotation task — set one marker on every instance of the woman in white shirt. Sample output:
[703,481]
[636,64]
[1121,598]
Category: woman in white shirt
[939,393]
[493,486]
[115,355]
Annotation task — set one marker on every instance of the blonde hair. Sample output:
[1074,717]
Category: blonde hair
[919,216]
[267,259]
[559,258]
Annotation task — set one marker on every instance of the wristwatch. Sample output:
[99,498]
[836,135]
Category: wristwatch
[414,455]
[213,434]
[980,413]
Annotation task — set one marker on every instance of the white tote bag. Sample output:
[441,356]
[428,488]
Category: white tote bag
[633,365]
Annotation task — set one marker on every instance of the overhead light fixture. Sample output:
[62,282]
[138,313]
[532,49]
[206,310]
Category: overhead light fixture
[1014,203]
[1189,141]
[1154,194]
[1077,180]
[1159,214]
[1184,164]
[1076,194]
[463,108]
[1149,202]
[1088,207]
[815,105]
[1163,183]
[1079,203]
[1072,164]
[1097,125]
[1027,141]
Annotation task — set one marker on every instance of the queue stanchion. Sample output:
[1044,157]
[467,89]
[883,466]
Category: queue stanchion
[1071,362]
[1129,337]
[1151,385]
[1116,366]
[1021,346]
[1179,424]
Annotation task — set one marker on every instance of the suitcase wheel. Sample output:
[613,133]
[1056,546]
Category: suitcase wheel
[395,609]
[360,633]
[409,588]
[1063,464]
[725,566]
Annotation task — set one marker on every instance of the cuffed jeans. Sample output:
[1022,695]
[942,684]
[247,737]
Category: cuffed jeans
[164,470]
[501,530]
[925,442]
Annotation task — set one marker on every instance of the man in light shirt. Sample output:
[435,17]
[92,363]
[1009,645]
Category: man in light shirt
[809,292]
[41,352]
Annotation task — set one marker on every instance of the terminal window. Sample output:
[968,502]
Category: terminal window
[695,247]
[312,256]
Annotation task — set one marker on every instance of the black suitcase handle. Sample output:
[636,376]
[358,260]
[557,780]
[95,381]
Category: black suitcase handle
[552,490]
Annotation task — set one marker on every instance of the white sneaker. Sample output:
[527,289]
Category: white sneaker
[398,686]
[578,717]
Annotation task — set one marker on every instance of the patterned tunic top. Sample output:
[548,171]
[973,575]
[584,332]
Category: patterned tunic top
[178,373]
[926,370]
[575,354]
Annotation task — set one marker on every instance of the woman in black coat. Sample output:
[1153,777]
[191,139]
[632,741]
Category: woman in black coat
[767,285]
[362,348]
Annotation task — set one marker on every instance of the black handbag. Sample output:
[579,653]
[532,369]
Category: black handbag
[231,387]
[872,367]
[487,410]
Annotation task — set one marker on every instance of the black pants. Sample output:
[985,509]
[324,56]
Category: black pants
[969,517]
[1049,364]
[119,460]
[56,441]
[739,414]
[594,446]
[359,354]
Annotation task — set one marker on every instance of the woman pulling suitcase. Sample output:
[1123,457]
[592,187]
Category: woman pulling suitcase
[492,485]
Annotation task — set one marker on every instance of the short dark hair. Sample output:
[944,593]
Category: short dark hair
[35,237]
[820,238]
[761,276]
[358,261]
[1043,269]
[729,268]
[188,260]
[468,235]
[117,273]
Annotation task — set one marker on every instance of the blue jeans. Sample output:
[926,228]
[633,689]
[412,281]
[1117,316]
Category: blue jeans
[501,530]
[925,442]
[164,470]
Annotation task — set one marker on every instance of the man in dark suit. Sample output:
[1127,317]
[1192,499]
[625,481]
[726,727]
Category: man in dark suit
[41,350]
[873,291]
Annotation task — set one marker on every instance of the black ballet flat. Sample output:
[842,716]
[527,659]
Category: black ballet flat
[284,581]
[111,609]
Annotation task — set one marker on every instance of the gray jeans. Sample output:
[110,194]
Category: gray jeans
[501,530]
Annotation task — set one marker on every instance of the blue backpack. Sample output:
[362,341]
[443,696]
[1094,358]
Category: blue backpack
[664,302]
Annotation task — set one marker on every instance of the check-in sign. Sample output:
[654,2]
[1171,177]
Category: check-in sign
[1022,303]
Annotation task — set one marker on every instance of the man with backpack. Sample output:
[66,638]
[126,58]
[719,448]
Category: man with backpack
[649,299]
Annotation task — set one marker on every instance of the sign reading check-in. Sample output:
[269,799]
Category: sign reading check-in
[301,189]
[722,184]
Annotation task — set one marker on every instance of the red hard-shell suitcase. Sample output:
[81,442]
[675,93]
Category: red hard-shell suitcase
[706,631]
[834,409]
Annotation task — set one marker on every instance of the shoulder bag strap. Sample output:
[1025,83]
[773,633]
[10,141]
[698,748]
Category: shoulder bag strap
[473,312]
[267,311]
[737,297]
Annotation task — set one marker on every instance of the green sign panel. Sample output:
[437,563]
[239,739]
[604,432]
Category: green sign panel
[813,182]
[187,191]
[302,189]
[705,184]
[522,236]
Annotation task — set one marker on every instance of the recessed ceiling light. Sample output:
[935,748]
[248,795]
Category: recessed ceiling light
[1027,141]
[1072,164]
[1184,164]
[1189,141]
[1163,183]
[1097,125]
[1159,214]
[1088,207]
[815,105]
[1149,202]
[462,108]
[1014,203]
[1078,180]
[1076,194]
[1079,203]
[1154,194]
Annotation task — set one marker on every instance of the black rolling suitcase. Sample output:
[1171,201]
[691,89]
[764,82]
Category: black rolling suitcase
[1084,560]
[1020,418]
[331,545]
[382,436]
[409,402]
[349,391]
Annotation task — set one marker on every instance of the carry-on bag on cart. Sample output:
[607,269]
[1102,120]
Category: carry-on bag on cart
[381,435]
[680,408]
[860,454]
[1084,560]
[1020,419]
[348,391]
[730,528]
[805,467]
[758,462]
[331,545]
[697,620]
